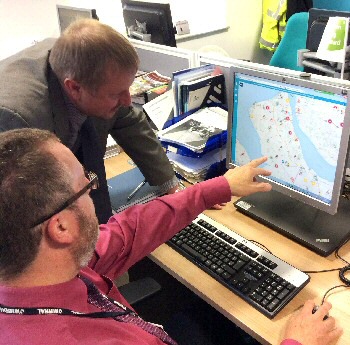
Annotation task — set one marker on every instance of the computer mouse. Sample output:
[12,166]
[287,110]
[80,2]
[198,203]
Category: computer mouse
[315,309]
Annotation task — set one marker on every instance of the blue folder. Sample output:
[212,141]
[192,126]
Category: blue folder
[122,185]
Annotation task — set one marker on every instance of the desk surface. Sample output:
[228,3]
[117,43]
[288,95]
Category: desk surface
[234,308]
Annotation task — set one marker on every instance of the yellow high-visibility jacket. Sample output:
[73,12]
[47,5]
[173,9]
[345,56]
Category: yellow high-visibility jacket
[274,23]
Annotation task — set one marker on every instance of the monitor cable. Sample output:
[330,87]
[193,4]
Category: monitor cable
[342,273]
[337,255]
[332,288]
[261,246]
[342,276]
[346,189]
[342,270]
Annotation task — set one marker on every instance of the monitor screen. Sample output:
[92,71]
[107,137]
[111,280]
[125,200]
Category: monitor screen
[302,126]
[149,21]
[67,15]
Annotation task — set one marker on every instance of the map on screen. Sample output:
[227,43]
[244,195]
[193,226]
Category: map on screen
[297,128]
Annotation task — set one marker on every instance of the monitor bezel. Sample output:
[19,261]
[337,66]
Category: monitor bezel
[304,80]
[90,12]
[154,8]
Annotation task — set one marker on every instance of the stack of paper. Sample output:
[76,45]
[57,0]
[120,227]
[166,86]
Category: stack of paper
[196,169]
[112,148]
[195,130]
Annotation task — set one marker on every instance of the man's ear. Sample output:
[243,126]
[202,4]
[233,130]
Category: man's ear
[73,88]
[61,228]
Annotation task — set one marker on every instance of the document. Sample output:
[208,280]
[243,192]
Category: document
[194,131]
[160,109]
[333,43]
[196,169]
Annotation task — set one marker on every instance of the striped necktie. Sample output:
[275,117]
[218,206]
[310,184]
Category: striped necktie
[99,300]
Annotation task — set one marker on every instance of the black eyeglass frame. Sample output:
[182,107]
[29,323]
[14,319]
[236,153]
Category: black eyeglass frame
[93,184]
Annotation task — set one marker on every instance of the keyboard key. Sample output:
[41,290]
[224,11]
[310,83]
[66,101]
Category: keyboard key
[238,265]
[226,275]
[290,287]
[192,252]
[272,306]
[228,269]
[283,294]
[256,297]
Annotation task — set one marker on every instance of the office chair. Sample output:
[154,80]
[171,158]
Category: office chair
[138,290]
[339,5]
[286,55]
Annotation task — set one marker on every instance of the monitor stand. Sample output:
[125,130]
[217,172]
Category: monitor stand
[315,229]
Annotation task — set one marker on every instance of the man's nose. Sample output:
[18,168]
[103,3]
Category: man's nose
[126,99]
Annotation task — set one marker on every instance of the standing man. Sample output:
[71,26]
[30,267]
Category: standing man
[77,86]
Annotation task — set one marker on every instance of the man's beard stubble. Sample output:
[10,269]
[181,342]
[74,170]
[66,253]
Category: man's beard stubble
[89,232]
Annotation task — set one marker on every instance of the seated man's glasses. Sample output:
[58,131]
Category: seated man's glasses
[93,184]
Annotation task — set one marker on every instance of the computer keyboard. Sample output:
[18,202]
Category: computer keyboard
[259,277]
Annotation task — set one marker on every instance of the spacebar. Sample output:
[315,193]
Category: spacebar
[193,253]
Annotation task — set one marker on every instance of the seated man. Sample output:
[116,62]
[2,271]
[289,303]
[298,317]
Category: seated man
[57,264]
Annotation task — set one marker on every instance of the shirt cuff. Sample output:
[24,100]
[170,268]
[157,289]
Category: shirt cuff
[290,342]
[168,185]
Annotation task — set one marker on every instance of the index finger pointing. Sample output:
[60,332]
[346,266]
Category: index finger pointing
[256,162]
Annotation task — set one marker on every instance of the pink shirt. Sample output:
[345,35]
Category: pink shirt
[127,238]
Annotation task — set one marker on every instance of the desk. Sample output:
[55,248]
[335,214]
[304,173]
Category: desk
[266,331]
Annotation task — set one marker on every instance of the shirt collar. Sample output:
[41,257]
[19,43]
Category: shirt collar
[76,119]
[71,294]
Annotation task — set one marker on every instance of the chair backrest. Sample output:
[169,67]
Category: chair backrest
[286,55]
[338,5]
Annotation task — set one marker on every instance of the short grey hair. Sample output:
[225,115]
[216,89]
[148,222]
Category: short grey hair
[86,51]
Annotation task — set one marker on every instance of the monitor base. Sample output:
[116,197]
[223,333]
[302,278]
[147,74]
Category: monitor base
[315,229]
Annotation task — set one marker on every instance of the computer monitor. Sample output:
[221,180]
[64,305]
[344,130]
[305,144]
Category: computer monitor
[318,19]
[149,21]
[302,126]
[67,15]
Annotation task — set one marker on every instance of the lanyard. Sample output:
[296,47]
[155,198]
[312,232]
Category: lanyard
[59,311]
[125,315]
[66,312]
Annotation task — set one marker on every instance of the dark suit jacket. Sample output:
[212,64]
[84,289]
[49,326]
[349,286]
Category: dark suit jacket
[296,6]
[30,96]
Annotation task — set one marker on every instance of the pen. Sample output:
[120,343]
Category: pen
[136,190]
